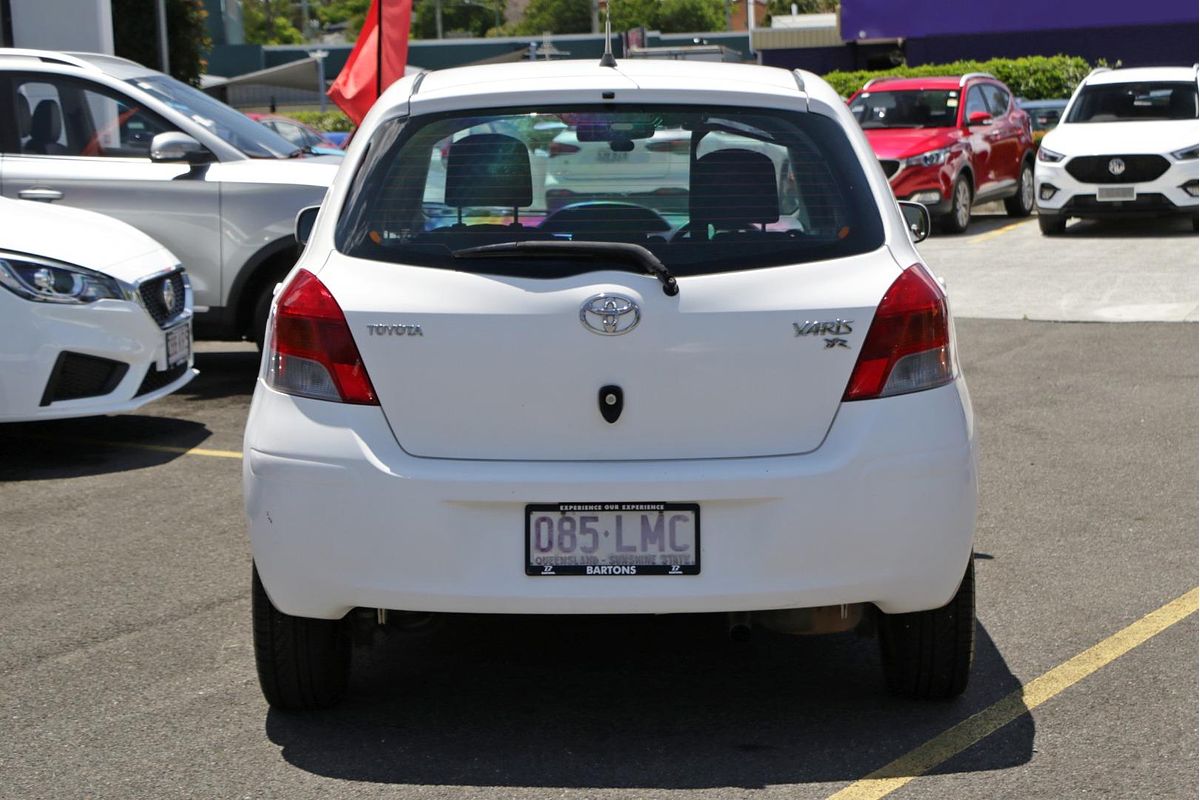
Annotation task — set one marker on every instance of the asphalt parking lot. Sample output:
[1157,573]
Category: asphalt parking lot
[127,668]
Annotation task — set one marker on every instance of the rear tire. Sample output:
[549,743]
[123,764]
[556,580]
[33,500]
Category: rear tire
[262,310]
[1021,203]
[960,207]
[1052,224]
[303,664]
[927,655]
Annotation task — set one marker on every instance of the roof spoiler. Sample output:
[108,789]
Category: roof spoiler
[800,86]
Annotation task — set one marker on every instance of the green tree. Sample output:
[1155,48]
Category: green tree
[351,12]
[268,22]
[669,16]
[459,17]
[784,7]
[556,16]
[135,36]
[686,16]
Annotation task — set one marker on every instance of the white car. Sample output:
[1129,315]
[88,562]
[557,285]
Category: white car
[1127,145]
[759,413]
[95,316]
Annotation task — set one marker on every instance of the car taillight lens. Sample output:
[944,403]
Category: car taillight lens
[311,352]
[907,348]
[561,149]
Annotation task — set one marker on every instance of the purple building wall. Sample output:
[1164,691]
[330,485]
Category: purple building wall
[911,19]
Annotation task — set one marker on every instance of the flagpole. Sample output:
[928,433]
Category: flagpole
[379,49]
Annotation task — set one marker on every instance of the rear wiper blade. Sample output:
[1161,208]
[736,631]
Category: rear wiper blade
[630,253]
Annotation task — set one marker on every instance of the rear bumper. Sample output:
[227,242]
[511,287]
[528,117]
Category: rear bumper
[339,516]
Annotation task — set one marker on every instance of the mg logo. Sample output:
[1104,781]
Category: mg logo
[610,314]
[1116,166]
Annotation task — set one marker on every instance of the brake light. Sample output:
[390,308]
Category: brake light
[907,348]
[311,352]
[560,149]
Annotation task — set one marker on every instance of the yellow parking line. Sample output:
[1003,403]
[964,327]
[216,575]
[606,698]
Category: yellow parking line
[951,742]
[983,237]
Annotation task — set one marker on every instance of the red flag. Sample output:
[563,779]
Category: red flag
[371,69]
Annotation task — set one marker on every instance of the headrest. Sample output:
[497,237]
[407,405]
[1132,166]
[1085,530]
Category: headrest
[24,116]
[488,169]
[734,186]
[47,122]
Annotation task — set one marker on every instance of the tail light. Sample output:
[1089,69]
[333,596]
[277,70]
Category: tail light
[311,352]
[907,348]
[561,149]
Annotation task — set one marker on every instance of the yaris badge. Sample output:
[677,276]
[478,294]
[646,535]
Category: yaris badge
[1116,166]
[610,314]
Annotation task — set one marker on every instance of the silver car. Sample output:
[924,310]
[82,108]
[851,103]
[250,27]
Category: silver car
[216,188]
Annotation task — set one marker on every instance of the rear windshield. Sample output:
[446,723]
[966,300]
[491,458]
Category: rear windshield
[704,189]
[920,108]
[1126,102]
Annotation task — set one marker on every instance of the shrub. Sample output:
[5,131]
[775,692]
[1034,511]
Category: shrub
[322,120]
[1031,77]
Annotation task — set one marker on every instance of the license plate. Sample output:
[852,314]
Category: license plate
[1115,193]
[612,539]
[179,344]
[611,155]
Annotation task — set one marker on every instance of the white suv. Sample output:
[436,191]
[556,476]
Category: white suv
[1127,145]
[219,190]
[468,404]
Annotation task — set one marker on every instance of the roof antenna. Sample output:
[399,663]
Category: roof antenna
[607,60]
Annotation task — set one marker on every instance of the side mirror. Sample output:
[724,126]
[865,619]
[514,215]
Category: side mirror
[172,147]
[304,223]
[979,118]
[916,217]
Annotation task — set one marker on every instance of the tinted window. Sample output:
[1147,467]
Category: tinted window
[976,101]
[997,100]
[706,190]
[77,118]
[235,128]
[1120,102]
[910,109]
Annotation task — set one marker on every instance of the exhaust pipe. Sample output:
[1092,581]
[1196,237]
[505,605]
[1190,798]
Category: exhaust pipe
[739,626]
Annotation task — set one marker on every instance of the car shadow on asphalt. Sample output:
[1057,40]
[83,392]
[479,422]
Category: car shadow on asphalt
[223,374]
[1151,228]
[630,702]
[71,448]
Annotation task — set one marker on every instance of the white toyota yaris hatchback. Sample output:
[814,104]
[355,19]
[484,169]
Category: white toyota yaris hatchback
[751,406]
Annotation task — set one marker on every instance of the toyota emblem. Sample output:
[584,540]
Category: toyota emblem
[1116,166]
[610,314]
[168,294]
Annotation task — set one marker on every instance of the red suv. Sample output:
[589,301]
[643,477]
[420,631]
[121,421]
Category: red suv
[950,143]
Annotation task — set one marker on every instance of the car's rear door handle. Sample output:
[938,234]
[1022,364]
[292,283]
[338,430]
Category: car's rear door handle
[42,194]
